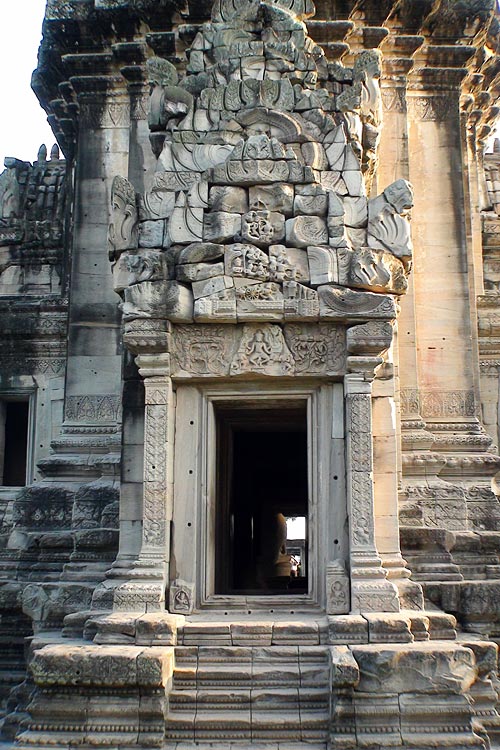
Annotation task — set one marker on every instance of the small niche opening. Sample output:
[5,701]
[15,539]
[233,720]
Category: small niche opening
[262,499]
[14,419]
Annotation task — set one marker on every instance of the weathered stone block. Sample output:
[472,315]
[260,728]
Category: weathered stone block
[152,233]
[228,199]
[263,227]
[347,629]
[211,286]
[200,252]
[275,197]
[220,226]
[190,272]
[429,667]
[310,200]
[306,230]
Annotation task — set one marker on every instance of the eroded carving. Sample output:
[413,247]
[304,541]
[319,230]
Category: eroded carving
[267,150]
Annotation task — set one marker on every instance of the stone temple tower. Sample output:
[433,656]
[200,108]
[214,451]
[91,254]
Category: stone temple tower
[249,380]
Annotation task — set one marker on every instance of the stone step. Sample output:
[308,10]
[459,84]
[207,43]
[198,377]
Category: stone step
[295,744]
[243,654]
[247,632]
[247,724]
[252,675]
[308,699]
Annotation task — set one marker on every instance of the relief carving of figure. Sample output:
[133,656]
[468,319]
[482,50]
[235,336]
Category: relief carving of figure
[259,351]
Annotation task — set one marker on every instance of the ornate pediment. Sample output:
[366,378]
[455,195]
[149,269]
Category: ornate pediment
[266,153]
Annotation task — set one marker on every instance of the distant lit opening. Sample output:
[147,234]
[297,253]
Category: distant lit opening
[262,500]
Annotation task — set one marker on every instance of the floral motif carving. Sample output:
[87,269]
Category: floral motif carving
[316,349]
[447,403]
[201,349]
[85,408]
[433,108]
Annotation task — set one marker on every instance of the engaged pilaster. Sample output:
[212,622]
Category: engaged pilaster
[370,591]
[149,575]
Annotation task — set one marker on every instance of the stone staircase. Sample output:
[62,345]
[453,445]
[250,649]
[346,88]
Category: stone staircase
[250,694]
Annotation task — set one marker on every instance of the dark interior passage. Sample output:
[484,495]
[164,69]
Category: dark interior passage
[16,443]
[262,482]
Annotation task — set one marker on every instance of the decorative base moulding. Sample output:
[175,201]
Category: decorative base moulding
[266,680]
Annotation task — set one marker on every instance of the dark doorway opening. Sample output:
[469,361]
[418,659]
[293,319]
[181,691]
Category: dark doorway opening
[262,484]
[15,424]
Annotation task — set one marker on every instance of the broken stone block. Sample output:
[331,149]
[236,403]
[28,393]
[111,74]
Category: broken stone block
[339,303]
[189,272]
[211,286]
[329,264]
[335,205]
[259,302]
[429,667]
[310,200]
[47,604]
[263,227]
[157,299]
[220,307]
[245,260]
[300,302]
[156,205]
[378,271]
[306,230]
[199,252]
[186,222]
[157,629]
[143,265]
[275,197]
[354,183]
[228,199]
[346,629]
[250,172]
[152,233]
[388,628]
[344,670]
[388,229]
[155,667]
[355,211]
[220,226]
[115,628]
[280,267]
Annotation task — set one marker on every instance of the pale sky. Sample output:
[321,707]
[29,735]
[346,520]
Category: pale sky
[23,123]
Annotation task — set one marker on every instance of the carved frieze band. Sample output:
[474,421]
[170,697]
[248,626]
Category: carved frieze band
[298,349]
[438,107]
[111,114]
[437,403]
[394,99]
[90,409]
[33,365]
